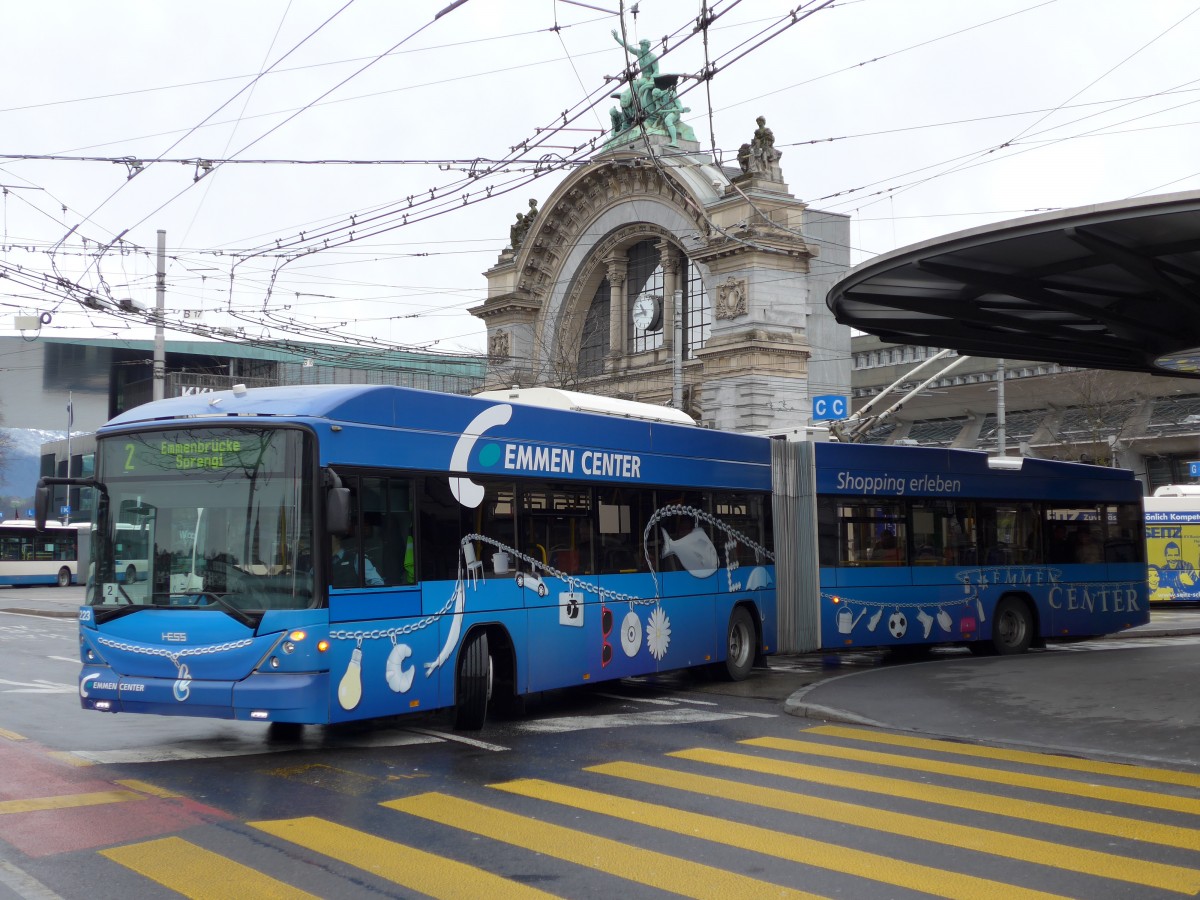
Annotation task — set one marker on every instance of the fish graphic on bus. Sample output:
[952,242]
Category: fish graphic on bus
[695,552]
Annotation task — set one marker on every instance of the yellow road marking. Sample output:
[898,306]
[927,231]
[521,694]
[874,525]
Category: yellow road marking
[67,801]
[1150,799]
[434,876]
[198,873]
[70,758]
[1049,760]
[11,735]
[1029,810]
[677,876]
[146,788]
[794,848]
[965,837]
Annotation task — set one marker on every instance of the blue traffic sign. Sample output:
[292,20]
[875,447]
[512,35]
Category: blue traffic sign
[1194,469]
[64,510]
[830,406]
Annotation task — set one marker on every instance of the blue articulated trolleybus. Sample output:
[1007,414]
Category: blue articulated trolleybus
[924,545]
[324,554]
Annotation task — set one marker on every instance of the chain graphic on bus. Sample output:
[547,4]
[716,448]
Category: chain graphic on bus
[694,551]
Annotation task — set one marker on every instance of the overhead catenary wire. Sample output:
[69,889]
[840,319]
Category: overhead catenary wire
[311,258]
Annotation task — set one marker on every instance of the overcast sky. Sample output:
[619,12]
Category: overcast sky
[916,117]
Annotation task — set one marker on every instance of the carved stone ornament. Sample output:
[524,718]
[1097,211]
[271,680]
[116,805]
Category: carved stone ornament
[731,299]
[498,345]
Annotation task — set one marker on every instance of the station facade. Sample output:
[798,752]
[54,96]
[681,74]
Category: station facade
[654,273]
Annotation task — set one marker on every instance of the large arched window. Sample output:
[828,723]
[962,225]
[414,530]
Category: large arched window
[644,293]
[593,340]
[645,322]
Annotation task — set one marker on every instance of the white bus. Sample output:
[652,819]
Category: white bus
[51,556]
[131,552]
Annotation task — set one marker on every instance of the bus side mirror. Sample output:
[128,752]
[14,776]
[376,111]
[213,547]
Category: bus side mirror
[41,506]
[337,510]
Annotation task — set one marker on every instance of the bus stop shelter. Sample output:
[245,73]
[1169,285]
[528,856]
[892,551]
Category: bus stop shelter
[1113,286]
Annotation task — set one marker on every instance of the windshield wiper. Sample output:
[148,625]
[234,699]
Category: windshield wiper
[241,615]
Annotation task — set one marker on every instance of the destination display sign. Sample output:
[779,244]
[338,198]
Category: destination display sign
[192,451]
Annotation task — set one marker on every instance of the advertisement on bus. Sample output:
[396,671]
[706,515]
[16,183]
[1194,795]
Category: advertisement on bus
[1173,545]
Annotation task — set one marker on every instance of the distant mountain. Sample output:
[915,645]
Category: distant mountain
[22,463]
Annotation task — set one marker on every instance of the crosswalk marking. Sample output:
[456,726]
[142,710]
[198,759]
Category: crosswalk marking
[145,787]
[1047,760]
[637,864]
[563,724]
[965,837]
[435,876]
[67,801]
[977,773]
[1029,810]
[200,874]
[902,849]
[794,848]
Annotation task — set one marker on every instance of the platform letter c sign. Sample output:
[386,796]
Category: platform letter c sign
[465,491]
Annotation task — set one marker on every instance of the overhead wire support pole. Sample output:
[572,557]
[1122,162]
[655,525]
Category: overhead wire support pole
[160,291]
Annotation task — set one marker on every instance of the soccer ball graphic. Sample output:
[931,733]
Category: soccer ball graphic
[897,624]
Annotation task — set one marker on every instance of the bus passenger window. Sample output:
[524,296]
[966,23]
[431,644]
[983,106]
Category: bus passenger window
[678,549]
[556,529]
[495,520]
[739,514]
[872,533]
[622,514]
[440,531]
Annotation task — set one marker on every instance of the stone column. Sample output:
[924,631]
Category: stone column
[672,264]
[618,268]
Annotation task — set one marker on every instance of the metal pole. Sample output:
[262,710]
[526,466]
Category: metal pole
[70,421]
[677,356]
[1001,447]
[160,348]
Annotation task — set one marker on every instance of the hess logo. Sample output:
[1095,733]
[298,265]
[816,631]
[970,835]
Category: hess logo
[466,491]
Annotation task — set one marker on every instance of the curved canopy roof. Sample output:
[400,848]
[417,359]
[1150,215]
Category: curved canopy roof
[1113,286]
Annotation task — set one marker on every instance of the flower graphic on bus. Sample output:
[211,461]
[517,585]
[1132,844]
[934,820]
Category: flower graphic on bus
[658,633]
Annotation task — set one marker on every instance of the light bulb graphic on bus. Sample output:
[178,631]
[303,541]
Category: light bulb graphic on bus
[350,687]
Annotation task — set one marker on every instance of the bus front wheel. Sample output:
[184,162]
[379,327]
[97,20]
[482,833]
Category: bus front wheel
[64,577]
[130,575]
[1012,627]
[739,647]
[474,683]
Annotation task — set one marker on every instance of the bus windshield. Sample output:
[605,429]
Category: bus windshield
[217,517]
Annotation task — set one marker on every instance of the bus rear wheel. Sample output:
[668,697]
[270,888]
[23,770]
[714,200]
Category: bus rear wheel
[130,575]
[64,577]
[473,685]
[1012,627]
[740,643]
